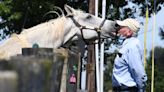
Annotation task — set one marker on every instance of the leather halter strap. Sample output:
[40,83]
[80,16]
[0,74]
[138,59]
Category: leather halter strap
[81,27]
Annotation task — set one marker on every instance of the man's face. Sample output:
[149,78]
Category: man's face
[125,31]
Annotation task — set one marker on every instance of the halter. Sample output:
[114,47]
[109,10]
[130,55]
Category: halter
[81,27]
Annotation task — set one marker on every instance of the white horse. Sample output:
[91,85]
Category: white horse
[57,32]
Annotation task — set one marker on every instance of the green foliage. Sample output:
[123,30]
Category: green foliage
[19,14]
[158,70]
[109,59]
[161,33]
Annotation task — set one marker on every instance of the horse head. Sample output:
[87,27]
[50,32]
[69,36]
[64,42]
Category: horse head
[87,26]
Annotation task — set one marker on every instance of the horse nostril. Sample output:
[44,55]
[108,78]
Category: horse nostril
[116,25]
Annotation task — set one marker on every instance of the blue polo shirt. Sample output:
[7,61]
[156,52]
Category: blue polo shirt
[128,69]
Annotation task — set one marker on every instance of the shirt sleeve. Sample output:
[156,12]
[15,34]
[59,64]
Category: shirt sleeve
[136,66]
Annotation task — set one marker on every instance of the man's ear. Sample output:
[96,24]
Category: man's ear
[69,10]
[130,32]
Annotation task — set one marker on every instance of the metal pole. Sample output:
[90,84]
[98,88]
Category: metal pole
[102,50]
[97,54]
[96,8]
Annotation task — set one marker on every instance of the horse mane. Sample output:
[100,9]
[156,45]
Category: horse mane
[58,27]
[53,28]
[54,25]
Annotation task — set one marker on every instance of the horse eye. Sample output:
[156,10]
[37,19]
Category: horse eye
[89,16]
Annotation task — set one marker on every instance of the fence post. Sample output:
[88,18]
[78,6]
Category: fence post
[41,70]
[8,81]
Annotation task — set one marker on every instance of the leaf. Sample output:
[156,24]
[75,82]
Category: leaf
[161,33]
[15,16]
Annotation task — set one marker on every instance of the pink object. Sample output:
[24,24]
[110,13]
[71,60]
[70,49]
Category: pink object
[72,79]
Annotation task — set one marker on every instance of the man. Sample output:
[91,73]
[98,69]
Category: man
[128,70]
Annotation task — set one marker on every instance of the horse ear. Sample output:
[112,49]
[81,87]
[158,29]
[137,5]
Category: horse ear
[69,10]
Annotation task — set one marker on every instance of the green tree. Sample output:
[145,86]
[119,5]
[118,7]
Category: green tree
[158,70]
[161,33]
[19,14]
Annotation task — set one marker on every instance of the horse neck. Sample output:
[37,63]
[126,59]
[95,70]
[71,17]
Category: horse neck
[48,34]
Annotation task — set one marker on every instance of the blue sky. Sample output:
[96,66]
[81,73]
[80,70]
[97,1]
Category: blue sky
[159,23]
